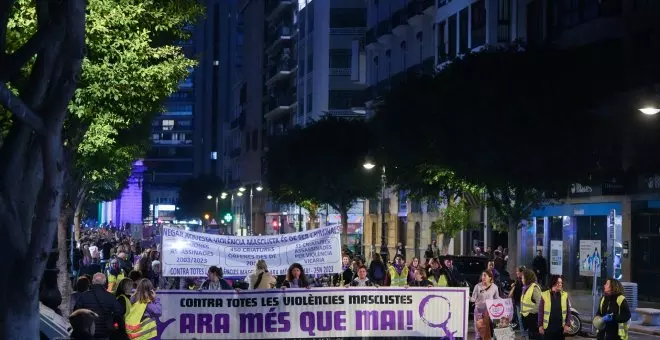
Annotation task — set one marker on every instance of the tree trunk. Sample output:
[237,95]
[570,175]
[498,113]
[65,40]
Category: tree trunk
[344,227]
[77,216]
[512,263]
[63,279]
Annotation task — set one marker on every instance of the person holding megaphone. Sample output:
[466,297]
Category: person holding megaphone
[613,313]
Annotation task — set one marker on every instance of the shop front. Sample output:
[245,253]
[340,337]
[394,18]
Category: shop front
[575,239]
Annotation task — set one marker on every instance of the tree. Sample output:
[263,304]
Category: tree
[322,164]
[511,121]
[193,202]
[37,81]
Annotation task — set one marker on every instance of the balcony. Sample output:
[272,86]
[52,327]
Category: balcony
[420,11]
[281,104]
[284,68]
[279,37]
[384,32]
[370,38]
[275,8]
[400,24]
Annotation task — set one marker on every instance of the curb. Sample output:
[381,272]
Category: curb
[632,328]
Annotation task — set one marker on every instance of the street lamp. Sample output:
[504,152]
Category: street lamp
[209,197]
[241,189]
[384,252]
[649,110]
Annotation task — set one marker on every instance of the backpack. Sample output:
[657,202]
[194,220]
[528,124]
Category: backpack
[379,274]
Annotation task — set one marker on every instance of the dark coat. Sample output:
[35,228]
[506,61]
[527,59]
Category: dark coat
[98,300]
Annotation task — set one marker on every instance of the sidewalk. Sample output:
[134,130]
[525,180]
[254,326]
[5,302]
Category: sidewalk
[582,300]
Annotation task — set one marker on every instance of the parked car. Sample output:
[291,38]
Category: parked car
[52,326]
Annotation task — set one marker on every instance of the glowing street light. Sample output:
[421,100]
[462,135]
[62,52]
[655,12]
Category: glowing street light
[239,194]
[649,110]
[206,216]
[368,165]
[209,197]
[242,189]
[259,188]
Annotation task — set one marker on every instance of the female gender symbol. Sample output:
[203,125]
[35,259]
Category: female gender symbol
[442,325]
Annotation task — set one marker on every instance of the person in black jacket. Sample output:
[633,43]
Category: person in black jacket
[614,310]
[98,300]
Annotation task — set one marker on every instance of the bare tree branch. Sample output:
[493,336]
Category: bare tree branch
[21,111]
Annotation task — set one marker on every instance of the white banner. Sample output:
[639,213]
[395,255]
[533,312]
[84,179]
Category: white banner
[438,313]
[190,254]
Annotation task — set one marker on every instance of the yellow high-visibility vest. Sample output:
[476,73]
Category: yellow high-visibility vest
[136,328]
[623,326]
[526,304]
[128,304]
[440,282]
[547,304]
[396,279]
[113,281]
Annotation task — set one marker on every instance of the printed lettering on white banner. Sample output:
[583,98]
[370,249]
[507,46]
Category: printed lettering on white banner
[190,254]
[438,313]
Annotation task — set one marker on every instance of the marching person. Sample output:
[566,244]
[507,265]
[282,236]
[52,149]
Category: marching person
[114,275]
[554,311]
[484,290]
[145,310]
[296,278]
[420,279]
[614,310]
[398,272]
[437,275]
[260,278]
[529,303]
[361,280]
[215,280]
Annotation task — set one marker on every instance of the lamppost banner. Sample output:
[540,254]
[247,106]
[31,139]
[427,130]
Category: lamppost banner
[190,254]
[346,313]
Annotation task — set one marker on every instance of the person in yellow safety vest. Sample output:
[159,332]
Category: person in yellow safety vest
[437,275]
[398,272]
[529,303]
[140,320]
[123,295]
[114,274]
[614,310]
[554,311]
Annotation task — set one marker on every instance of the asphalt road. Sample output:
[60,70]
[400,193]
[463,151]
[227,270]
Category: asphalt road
[632,336]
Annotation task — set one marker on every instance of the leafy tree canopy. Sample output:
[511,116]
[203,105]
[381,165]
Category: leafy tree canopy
[132,64]
[193,201]
[323,163]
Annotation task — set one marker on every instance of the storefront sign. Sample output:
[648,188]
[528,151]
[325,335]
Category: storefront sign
[590,257]
[190,254]
[556,257]
[316,313]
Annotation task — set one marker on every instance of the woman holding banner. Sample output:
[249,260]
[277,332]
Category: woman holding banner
[484,290]
[261,278]
[295,277]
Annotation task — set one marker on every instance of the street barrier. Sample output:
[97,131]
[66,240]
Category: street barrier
[439,313]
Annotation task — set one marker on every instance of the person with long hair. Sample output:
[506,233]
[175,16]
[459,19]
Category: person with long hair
[377,270]
[554,311]
[484,290]
[295,277]
[529,303]
[397,272]
[412,267]
[420,279]
[260,278]
[614,310]
[145,309]
[436,274]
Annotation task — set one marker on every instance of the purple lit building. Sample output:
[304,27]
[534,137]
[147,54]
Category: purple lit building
[128,208]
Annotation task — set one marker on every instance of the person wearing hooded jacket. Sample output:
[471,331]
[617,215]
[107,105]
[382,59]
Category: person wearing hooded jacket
[614,310]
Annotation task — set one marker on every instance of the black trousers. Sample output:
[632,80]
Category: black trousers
[531,326]
[554,335]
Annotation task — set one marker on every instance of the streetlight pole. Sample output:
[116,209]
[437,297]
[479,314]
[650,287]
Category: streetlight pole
[384,252]
[249,229]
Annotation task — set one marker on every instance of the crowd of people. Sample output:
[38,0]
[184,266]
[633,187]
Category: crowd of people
[116,280]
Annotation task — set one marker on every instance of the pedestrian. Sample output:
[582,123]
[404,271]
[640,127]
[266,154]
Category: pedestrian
[361,280]
[484,290]
[529,303]
[554,311]
[420,279]
[377,270]
[540,266]
[145,310]
[295,277]
[260,278]
[515,293]
[123,295]
[615,313]
[83,324]
[215,280]
[104,304]
[397,272]
[437,275]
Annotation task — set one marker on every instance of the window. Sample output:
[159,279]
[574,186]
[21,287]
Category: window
[451,47]
[374,234]
[386,206]
[340,58]
[479,23]
[504,21]
[179,109]
[348,17]
[309,102]
[214,155]
[442,42]
[415,206]
[463,31]
[168,125]
[418,239]
[343,99]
